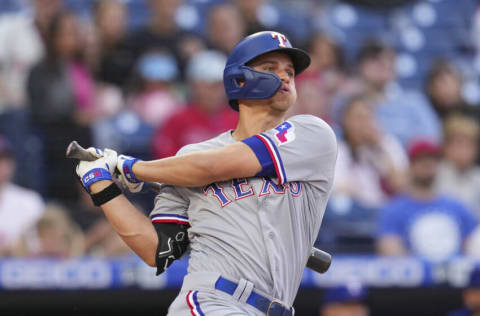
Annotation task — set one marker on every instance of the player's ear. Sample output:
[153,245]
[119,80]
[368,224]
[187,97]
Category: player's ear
[240,82]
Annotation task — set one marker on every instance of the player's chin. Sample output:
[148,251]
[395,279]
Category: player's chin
[283,102]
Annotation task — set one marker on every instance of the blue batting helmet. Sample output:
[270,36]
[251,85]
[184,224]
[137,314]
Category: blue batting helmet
[243,82]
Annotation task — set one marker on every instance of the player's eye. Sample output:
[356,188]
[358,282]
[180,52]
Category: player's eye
[269,68]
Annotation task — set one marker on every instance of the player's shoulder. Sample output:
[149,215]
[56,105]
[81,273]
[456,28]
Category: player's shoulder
[310,122]
[312,127]
[215,142]
[307,118]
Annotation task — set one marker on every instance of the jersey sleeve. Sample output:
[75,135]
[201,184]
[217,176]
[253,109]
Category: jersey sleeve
[170,207]
[303,148]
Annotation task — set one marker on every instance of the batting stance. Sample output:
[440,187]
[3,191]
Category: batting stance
[249,202]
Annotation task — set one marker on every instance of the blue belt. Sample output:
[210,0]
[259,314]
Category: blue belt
[269,307]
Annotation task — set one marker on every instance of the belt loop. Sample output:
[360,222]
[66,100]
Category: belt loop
[240,289]
[246,293]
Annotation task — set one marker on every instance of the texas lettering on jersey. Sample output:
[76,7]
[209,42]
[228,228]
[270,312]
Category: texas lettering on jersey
[242,189]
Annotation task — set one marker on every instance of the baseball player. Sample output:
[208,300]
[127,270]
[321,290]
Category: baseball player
[250,200]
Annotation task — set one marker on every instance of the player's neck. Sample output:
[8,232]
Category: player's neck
[256,120]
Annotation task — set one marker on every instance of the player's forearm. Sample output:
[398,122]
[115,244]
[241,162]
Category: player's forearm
[200,168]
[135,229]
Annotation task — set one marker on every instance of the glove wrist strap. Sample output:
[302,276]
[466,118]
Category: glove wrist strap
[107,194]
[128,170]
[95,175]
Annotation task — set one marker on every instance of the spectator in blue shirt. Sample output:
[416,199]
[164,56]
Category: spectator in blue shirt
[422,222]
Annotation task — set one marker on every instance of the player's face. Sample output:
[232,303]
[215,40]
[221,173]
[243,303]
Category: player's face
[281,65]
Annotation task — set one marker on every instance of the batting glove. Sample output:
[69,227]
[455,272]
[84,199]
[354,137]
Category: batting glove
[103,168]
[127,177]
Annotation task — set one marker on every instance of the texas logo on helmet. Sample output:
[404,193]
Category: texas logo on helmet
[282,39]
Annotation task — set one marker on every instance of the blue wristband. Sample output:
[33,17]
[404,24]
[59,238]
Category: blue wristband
[128,170]
[95,175]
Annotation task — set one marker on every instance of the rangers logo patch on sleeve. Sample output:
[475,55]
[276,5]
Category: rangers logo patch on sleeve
[285,133]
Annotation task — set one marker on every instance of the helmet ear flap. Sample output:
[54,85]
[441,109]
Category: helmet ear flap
[243,82]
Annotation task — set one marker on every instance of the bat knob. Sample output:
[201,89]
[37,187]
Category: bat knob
[70,148]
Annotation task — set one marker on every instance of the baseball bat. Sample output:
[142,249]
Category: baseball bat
[319,260]
[75,151]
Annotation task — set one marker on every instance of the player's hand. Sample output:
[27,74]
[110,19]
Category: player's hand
[103,168]
[127,177]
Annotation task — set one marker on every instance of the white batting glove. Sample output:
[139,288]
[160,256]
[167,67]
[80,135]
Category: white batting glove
[127,177]
[103,168]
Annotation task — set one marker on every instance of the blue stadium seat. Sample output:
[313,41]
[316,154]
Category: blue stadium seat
[347,16]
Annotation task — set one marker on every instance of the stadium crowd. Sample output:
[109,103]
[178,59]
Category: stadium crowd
[146,78]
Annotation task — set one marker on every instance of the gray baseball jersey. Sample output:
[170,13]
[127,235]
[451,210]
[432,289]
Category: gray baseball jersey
[262,228]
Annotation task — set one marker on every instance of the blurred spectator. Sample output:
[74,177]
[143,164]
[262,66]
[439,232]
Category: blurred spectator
[422,222]
[153,96]
[263,15]
[367,158]
[320,82]
[115,61]
[22,40]
[207,114]
[458,175]
[151,100]
[162,33]
[61,102]
[471,296]
[19,208]
[345,300]
[55,236]
[444,90]
[404,114]
[225,27]
[250,11]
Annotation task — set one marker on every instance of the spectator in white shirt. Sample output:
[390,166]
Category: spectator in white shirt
[458,175]
[22,45]
[371,165]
